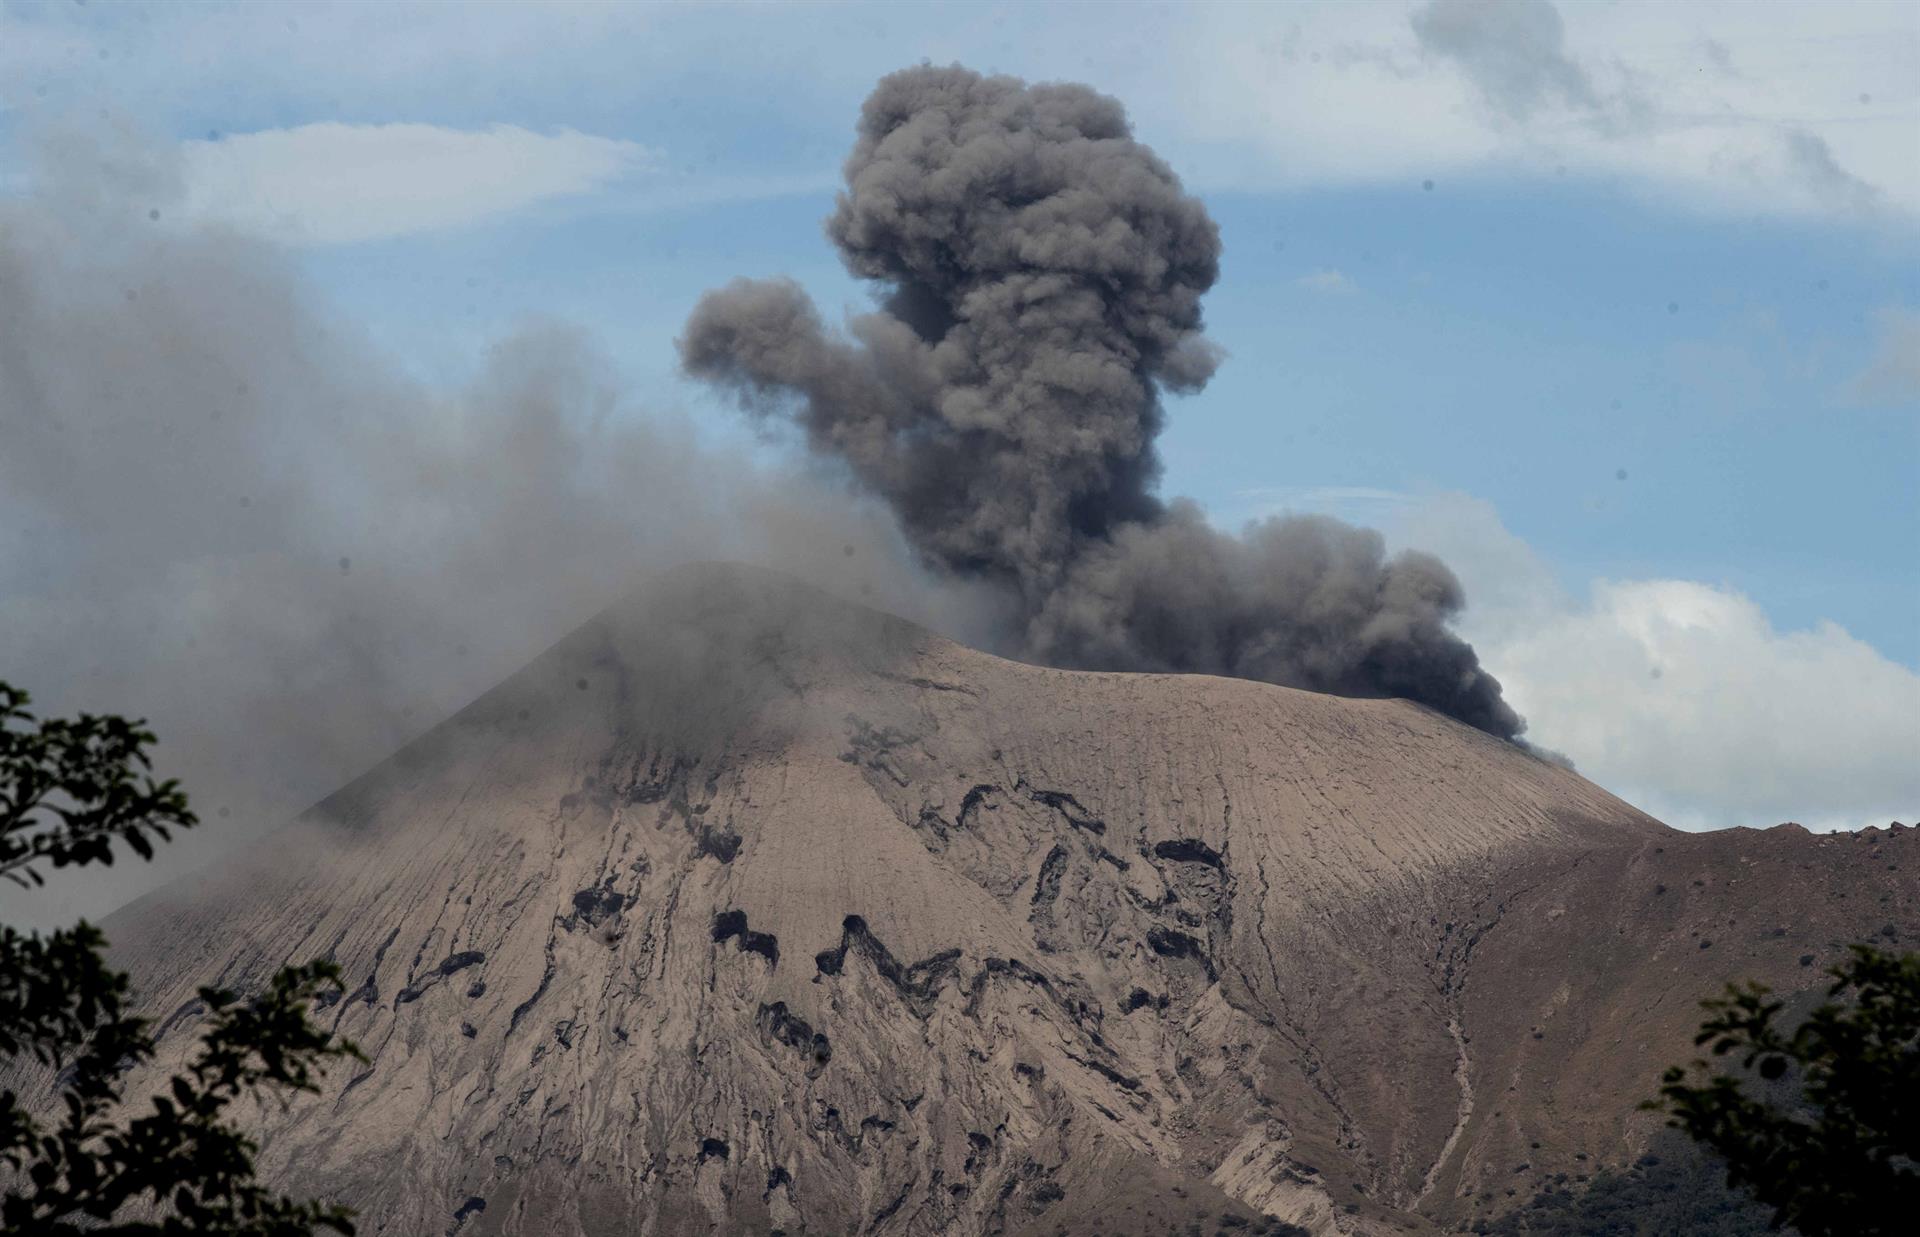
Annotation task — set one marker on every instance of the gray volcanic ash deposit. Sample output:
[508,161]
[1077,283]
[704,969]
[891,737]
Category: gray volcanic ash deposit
[745,910]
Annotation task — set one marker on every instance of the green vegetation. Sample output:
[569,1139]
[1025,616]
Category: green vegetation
[1828,1132]
[1669,1191]
[1815,1130]
[70,790]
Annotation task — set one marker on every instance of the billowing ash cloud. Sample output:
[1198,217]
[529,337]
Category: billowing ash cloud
[1043,274]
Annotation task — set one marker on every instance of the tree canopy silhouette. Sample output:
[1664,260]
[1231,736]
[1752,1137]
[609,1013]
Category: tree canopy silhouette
[1821,1123]
[99,1163]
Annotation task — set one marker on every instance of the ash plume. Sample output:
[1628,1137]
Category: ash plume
[1042,275]
[228,509]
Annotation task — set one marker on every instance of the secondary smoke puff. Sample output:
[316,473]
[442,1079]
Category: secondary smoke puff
[224,508]
[1043,276]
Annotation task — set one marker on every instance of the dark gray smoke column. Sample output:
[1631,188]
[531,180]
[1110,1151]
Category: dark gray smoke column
[1045,274]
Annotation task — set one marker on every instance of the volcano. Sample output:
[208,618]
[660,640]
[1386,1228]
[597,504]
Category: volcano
[747,910]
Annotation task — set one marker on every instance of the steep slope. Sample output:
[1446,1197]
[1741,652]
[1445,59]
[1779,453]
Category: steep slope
[745,910]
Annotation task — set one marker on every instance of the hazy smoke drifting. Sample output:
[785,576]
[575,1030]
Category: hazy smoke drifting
[228,510]
[1044,274]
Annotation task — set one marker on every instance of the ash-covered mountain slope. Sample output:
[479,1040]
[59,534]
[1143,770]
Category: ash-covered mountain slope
[747,910]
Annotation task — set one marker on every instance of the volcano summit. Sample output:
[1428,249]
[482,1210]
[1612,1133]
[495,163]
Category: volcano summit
[747,910]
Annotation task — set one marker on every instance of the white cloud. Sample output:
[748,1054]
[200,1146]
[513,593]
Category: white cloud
[1331,282]
[1786,107]
[1892,375]
[1681,696]
[1358,504]
[324,184]
[1780,108]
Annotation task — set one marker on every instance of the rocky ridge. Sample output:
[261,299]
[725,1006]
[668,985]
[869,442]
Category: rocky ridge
[747,910]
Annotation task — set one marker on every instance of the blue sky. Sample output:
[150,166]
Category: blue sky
[1473,345]
[1617,306]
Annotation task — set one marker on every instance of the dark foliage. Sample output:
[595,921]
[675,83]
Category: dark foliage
[1828,1134]
[98,1165]
[1672,1190]
[68,789]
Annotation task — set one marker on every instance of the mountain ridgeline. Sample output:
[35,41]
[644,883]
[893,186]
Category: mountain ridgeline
[745,910]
